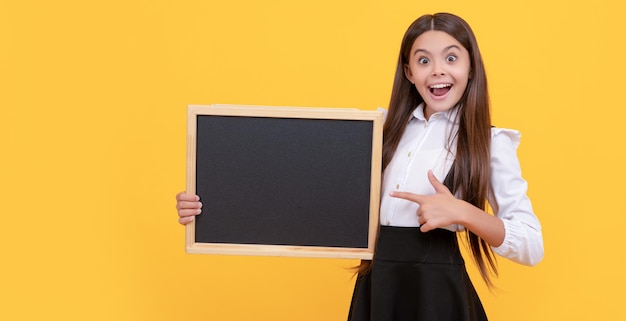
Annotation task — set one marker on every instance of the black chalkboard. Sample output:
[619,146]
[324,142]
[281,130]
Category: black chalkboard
[285,181]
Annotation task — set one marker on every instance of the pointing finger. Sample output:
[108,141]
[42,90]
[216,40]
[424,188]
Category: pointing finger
[407,196]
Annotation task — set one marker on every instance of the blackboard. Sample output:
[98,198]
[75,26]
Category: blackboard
[284,181]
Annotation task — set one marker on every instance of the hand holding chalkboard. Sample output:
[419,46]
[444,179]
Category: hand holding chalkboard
[188,206]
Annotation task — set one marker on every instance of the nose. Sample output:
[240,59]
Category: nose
[438,68]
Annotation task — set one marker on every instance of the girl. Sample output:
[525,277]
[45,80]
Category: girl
[438,129]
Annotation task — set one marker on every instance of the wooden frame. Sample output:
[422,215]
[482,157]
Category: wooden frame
[195,112]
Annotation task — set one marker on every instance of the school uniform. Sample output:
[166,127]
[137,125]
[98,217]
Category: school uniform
[422,276]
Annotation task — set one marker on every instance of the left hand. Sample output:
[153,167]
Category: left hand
[435,211]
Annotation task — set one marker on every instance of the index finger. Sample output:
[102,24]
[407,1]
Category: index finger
[184,196]
[408,196]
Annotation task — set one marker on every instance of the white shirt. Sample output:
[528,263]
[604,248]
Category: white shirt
[424,146]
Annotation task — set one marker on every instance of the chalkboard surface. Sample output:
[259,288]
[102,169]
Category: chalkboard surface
[284,181]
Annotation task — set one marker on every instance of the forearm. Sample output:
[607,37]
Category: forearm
[481,223]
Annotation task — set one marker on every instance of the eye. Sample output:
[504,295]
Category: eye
[422,61]
[451,58]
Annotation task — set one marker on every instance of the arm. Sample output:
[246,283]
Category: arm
[488,227]
[523,241]
[443,209]
[514,232]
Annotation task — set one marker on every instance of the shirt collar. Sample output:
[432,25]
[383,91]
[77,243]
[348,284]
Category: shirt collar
[450,115]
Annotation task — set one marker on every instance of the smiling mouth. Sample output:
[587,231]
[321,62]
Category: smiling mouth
[440,89]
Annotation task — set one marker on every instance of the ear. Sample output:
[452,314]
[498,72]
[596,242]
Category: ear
[408,74]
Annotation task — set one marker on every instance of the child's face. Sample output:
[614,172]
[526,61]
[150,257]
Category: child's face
[439,67]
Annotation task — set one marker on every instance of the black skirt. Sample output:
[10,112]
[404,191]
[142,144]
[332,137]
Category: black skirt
[416,276]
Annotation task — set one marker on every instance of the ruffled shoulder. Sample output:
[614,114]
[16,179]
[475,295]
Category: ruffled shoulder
[505,135]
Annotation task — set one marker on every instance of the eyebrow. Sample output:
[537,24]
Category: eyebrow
[444,49]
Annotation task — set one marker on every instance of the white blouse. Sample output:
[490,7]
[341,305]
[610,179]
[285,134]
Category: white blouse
[424,146]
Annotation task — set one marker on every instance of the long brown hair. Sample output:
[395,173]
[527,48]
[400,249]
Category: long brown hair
[471,169]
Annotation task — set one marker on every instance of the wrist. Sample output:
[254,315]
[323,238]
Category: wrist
[466,211]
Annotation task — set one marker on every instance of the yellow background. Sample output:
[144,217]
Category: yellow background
[93,98]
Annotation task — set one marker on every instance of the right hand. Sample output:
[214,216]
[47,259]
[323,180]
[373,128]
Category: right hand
[188,207]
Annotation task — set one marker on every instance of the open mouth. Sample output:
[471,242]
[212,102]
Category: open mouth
[440,89]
